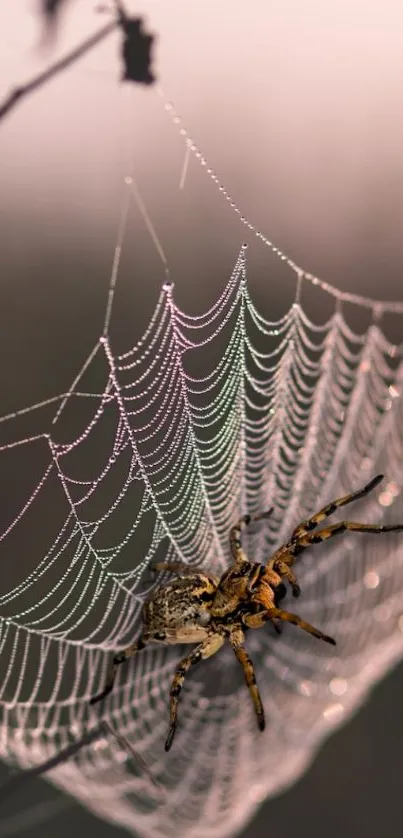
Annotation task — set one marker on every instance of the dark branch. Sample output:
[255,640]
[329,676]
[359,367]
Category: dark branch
[20,92]
[51,11]
[18,781]
[136,55]
[14,783]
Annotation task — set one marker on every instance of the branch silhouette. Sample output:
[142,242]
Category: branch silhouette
[136,55]
[51,11]
[14,783]
[17,781]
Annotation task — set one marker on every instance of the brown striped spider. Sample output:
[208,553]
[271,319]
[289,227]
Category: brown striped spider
[197,607]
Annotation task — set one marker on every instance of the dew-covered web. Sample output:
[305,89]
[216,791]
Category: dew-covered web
[201,419]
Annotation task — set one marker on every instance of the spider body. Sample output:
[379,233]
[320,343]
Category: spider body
[178,612]
[200,608]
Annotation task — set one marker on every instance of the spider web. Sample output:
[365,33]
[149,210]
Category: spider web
[151,455]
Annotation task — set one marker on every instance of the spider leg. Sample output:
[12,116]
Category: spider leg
[305,540]
[204,650]
[284,570]
[279,594]
[330,508]
[237,640]
[235,535]
[306,533]
[121,657]
[257,620]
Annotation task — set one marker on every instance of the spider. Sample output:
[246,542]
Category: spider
[200,608]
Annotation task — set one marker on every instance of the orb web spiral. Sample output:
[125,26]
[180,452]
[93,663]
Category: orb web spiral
[151,455]
[203,418]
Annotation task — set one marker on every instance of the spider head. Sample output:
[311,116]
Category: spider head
[247,582]
[264,586]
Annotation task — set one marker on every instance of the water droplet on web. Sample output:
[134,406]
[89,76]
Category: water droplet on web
[333,712]
[386,498]
[382,613]
[338,686]
[371,580]
[306,688]
[100,745]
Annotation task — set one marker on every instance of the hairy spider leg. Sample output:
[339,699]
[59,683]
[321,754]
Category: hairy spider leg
[330,508]
[235,535]
[119,658]
[204,650]
[280,566]
[306,533]
[257,620]
[307,539]
[237,640]
[264,596]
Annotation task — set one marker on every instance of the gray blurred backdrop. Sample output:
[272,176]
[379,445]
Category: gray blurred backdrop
[297,106]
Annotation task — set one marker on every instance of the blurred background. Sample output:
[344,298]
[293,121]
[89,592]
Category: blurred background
[297,106]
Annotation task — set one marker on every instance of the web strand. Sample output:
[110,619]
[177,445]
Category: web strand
[379,307]
[282,411]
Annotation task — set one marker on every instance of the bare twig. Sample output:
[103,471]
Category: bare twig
[14,783]
[18,781]
[137,758]
[19,93]
[136,55]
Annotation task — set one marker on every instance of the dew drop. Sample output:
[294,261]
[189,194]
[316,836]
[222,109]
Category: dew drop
[338,686]
[333,712]
[371,580]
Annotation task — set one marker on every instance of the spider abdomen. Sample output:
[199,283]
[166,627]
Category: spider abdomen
[179,611]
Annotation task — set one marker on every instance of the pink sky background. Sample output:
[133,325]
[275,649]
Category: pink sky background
[297,106]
